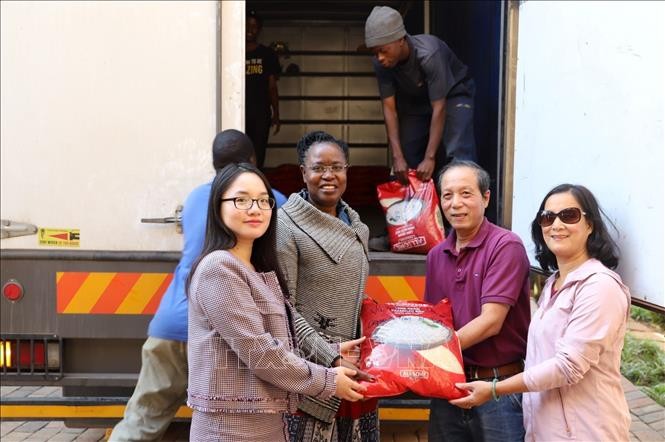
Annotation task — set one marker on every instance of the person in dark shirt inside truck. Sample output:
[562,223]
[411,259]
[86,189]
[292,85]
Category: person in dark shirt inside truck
[261,94]
[427,96]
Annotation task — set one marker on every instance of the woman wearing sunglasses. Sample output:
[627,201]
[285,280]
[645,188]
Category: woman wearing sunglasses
[571,377]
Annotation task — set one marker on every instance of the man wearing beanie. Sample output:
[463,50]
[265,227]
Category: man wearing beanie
[427,96]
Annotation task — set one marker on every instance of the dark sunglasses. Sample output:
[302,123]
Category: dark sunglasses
[571,215]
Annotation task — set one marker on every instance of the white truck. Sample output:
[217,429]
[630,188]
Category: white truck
[108,110]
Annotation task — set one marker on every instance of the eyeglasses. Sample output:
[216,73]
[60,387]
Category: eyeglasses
[571,215]
[321,169]
[243,203]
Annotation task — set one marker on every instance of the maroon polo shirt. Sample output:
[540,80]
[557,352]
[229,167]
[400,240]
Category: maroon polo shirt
[493,267]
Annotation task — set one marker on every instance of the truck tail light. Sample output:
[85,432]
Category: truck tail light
[12,290]
[30,355]
[5,354]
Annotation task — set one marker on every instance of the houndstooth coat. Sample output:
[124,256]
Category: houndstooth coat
[241,346]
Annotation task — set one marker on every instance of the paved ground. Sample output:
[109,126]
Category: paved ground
[648,417]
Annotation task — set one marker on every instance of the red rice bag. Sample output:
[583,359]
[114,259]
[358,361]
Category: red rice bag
[411,345]
[413,217]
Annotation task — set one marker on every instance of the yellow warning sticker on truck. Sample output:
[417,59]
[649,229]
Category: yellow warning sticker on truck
[59,237]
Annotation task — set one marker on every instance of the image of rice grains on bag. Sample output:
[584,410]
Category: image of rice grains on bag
[411,346]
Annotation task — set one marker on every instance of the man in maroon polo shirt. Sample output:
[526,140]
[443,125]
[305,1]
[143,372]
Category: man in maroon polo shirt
[484,271]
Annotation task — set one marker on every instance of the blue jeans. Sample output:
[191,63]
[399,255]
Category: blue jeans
[494,421]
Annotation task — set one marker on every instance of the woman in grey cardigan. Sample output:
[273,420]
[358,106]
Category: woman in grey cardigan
[322,252]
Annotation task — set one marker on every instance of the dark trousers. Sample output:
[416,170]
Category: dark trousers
[458,141]
[257,128]
[494,421]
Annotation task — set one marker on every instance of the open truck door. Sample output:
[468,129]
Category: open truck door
[588,110]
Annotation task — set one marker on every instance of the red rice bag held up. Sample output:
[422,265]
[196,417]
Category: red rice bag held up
[411,345]
[412,214]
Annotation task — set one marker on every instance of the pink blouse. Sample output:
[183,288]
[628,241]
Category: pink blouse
[573,358]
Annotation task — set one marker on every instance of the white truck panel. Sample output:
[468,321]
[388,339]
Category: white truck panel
[590,111]
[108,111]
[232,42]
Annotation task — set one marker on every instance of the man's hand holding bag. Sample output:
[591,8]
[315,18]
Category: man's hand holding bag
[413,217]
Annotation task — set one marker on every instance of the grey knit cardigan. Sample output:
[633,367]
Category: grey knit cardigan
[325,264]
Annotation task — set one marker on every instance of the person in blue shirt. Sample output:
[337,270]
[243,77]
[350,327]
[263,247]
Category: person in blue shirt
[162,385]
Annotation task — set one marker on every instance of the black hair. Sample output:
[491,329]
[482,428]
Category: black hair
[256,16]
[319,136]
[231,146]
[599,245]
[219,237]
[481,174]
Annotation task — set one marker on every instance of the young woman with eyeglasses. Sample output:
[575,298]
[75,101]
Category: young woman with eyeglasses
[244,368]
[571,378]
[322,246]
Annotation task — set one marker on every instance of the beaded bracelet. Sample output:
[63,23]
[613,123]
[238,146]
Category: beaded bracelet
[494,395]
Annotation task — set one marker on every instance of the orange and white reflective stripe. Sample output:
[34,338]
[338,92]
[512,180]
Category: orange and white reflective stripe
[395,288]
[125,293]
[102,293]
